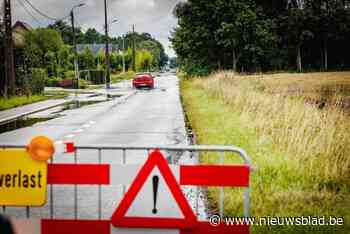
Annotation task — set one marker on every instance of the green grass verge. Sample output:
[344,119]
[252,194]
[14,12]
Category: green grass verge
[17,101]
[115,78]
[277,184]
[20,101]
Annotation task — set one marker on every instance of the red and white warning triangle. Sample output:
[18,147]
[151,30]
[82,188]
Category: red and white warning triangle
[154,199]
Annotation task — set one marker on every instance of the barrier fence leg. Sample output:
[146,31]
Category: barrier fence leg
[75,190]
[51,197]
[99,189]
[124,162]
[222,195]
[27,212]
[246,202]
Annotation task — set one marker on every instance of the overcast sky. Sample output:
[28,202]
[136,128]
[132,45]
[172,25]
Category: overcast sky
[152,16]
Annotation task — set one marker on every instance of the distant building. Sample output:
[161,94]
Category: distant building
[95,48]
[18,31]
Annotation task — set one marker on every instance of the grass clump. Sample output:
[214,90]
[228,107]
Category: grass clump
[301,152]
[19,101]
[115,78]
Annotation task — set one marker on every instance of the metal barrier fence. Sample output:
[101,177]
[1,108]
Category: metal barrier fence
[124,149]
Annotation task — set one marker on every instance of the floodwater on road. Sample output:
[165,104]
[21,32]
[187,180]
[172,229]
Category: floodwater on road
[147,117]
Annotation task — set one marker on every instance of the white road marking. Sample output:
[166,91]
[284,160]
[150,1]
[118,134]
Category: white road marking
[78,130]
[69,136]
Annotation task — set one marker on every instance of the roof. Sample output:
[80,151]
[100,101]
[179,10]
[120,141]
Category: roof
[22,25]
[95,48]
[18,31]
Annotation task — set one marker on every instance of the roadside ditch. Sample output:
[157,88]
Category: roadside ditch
[197,196]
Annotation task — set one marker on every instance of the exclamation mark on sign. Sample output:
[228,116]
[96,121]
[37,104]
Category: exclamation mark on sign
[155,181]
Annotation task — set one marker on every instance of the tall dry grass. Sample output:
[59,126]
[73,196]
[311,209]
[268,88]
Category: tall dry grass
[317,142]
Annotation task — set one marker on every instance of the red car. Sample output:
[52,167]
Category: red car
[143,80]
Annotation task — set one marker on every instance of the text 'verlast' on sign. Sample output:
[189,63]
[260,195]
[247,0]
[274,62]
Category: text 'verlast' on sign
[22,179]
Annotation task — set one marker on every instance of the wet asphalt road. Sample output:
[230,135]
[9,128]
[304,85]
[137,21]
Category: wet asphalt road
[146,117]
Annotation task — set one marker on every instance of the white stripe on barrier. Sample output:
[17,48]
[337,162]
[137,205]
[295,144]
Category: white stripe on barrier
[126,173]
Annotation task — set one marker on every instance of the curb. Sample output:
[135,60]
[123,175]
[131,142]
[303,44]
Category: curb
[18,116]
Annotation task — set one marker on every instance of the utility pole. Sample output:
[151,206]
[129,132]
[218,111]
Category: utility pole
[107,64]
[133,49]
[76,65]
[75,51]
[9,59]
[123,53]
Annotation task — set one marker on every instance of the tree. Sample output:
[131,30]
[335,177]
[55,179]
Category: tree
[66,58]
[153,48]
[93,37]
[262,35]
[219,34]
[86,60]
[41,44]
[144,60]
[66,32]
[173,62]
[2,61]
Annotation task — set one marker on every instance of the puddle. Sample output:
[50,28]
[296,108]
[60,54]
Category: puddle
[22,123]
[30,121]
[79,104]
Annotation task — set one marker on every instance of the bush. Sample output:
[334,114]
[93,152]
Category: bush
[97,76]
[83,84]
[84,74]
[37,82]
[53,81]
[69,74]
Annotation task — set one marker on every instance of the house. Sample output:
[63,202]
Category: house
[96,48]
[18,31]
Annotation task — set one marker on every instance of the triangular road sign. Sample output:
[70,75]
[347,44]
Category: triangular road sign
[155,161]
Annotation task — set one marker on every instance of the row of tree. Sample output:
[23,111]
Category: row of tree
[264,35]
[51,48]
[143,41]
[49,52]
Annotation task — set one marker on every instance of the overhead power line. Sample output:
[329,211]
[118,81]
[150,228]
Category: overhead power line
[29,13]
[2,10]
[44,14]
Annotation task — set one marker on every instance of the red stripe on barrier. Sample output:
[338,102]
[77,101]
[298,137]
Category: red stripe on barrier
[50,226]
[75,226]
[207,228]
[78,174]
[206,175]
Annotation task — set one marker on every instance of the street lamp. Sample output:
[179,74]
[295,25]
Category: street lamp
[123,53]
[113,21]
[107,62]
[76,68]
